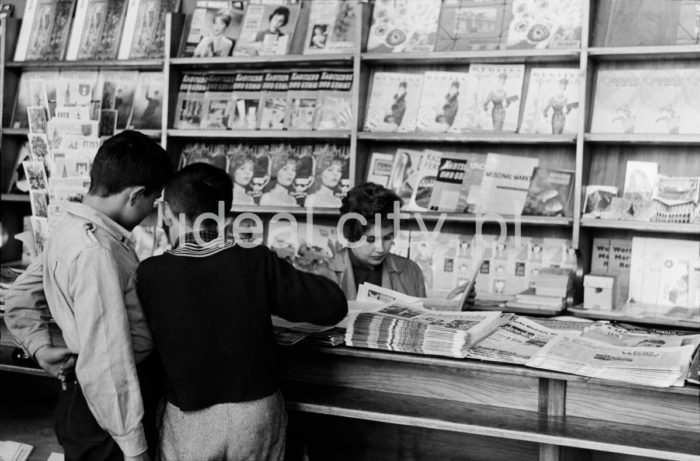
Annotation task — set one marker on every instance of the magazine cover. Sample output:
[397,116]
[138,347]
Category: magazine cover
[505,184]
[540,24]
[283,171]
[379,169]
[690,104]
[334,107]
[598,199]
[240,165]
[76,89]
[660,94]
[96,29]
[45,30]
[148,102]
[495,97]
[393,102]
[267,30]
[36,88]
[550,193]
[213,154]
[214,29]
[190,99]
[471,186]
[405,173]
[469,25]
[444,96]
[218,103]
[331,27]
[676,199]
[247,91]
[144,28]
[117,89]
[616,105]
[447,193]
[640,180]
[331,176]
[306,171]
[420,198]
[403,26]
[551,105]
[273,110]
[302,99]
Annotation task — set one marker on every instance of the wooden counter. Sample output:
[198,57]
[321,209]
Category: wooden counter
[355,404]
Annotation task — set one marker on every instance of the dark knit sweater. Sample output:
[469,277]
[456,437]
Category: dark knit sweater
[209,312]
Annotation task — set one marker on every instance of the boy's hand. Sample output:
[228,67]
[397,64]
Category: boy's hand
[56,361]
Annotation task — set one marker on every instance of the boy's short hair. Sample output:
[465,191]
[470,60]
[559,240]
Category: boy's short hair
[129,159]
[197,189]
[367,200]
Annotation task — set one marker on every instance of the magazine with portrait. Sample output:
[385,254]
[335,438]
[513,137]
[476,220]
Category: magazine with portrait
[334,107]
[405,173]
[148,101]
[247,92]
[550,193]
[273,110]
[214,29]
[306,172]
[444,96]
[217,107]
[240,162]
[331,176]
[394,100]
[267,30]
[494,103]
[144,28]
[96,30]
[331,27]
[471,25]
[190,99]
[36,88]
[616,103]
[403,26]
[283,170]
[552,101]
[117,89]
[302,100]
[539,25]
[45,30]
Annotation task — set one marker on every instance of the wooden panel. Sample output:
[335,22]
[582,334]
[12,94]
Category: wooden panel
[648,408]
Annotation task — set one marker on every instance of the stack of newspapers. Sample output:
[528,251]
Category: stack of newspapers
[402,327]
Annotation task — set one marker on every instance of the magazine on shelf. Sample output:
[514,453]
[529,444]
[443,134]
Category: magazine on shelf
[471,25]
[331,27]
[676,199]
[448,194]
[217,102]
[116,90]
[640,180]
[444,97]
[405,173]
[551,104]
[36,88]
[97,29]
[379,169]
[473,177]
[267,30]
[393,102]
[273,106]
[144,28]
[538,25]
[148,102]
[190,100]
[550,193]
[334,107]
[598,200]
[247,91]
[302,99]
[616,104]
[494,99]
[283,170]
[331,178]
[404,26]
[45,30]
[425,181]
[214,28]
[690,103]
[505,185]
[660,94]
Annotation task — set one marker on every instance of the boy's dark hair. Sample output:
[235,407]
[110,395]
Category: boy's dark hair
[198,188]
[282,11]
[367,199]
[129,159]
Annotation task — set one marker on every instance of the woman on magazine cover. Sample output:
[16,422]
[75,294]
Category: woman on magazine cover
[398,106]
[217,44]
[559,103]
[329,171]
[450,106]
[284,169]
[240,169]
[499,99]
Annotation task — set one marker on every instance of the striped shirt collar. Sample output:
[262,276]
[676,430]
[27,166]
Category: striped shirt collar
[206,243]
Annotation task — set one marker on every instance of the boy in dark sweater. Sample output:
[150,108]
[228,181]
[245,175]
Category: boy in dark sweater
[208,303]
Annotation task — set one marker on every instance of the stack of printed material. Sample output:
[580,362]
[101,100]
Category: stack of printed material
[14,451]
[409,328]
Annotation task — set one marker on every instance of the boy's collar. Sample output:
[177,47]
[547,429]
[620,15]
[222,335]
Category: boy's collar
[90,214]
[205,235]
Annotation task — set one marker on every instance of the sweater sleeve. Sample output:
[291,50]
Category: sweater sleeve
[304,297]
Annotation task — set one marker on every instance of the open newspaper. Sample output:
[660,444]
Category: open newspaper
[410,328]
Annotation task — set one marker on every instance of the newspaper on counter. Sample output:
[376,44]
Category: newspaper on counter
[289,333]
[631,336]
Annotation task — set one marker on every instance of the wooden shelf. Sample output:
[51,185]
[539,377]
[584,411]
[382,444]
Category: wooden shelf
[14,198]
[234,62]
[464,218]
[641,226]
[24,370]
[481,137]
[644,52]
[639,138]
[261,134]
[621,317]
[132,64]
[463,57]
[490,421]
[291,210]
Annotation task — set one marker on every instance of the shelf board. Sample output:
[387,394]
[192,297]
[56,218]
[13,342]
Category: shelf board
[15,131]
[459,57]
[644,52]
[641,226]
[480,137]
[133,64]
[261,134]
[23,370]
[14,198]
[301,60]
[640,138]
[291,210]
[620,316]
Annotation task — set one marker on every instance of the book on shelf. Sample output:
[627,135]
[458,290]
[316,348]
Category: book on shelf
[649,22]
[393,102]
[213,29]
[552,101]
[550,194]
[405,26]
[97,29]
[144,28]
[331,27]
[379,169]
[45,30]
[273,107]
[148,102]
[541,25]
[247,92]
[190,99]
[334,106]
[267,30]
[494,98]
[302,99]
[506,183]
[444,95]
[116,91]
[472,25]
[217,102]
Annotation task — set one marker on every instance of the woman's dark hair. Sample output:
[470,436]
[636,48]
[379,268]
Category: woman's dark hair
[126,160]
[283,11]
[367,200]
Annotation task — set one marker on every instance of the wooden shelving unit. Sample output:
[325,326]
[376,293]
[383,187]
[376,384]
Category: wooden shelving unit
[333,60]
[644,139]
[641,226]
[466,57]
[463,138]
[261,134]
[124,64]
